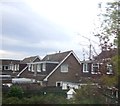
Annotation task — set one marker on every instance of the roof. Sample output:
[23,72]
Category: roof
[64,56]
[9,61]
[71,91]
[107,54]
[29,59]
[56,57]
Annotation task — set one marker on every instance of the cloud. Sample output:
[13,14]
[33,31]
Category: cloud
[38,28]
[4,54]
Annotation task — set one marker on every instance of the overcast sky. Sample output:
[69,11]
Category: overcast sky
[40,27]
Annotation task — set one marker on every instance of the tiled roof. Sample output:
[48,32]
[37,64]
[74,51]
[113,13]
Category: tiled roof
[107,54]
[29,59]
[56,57]
[9,61]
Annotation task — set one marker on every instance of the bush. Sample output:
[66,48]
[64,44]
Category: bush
[15,91]
[89,95]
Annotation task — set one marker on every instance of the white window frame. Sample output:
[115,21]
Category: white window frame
[61,83]
[64,68]
[17,67]
[38,67]
[5,67]
[12,67]
[32,68]
[0,67]
[85,69]
[29,67]
[44,67]
[110,68]
[92,72]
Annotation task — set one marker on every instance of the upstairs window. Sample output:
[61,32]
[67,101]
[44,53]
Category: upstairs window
[85,68]
[95,68]
[38,67]
[32,68]
[18,67]
[0,67]
[6,67]
[12,67]
[109,69]
[15,67]
[44,67]
[29,67]
[64,68]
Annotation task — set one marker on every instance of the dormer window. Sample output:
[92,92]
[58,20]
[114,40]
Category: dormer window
[95,68]
[109,69]
[38,67]
[32,68]
[44,67]
[29,67]
[85,68]
[0,67]
[6,67]
[18,67]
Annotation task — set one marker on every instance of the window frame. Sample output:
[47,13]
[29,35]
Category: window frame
[59,82]
[18,67]
[44,67]
[6,66]
[98,71]
[64,68]
[85,71]
[1,67]
[39,69]
[108,68]
[32,68]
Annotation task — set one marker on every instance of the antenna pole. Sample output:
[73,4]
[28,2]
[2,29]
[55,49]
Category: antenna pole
[90,51]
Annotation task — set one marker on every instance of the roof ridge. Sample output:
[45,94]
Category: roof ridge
[59,53]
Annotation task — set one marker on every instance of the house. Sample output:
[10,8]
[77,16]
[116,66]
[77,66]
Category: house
[9,67]
[100,65]
[26,61]
[31,59]
[57,69]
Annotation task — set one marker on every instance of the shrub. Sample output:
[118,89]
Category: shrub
[15,91]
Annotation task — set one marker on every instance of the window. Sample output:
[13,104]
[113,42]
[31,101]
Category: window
[32,68]
[15,67]
[44,67]
[64,68]
[29,67]
[0,67]
[18,67]
[12,67]
[95,68]
[109,69]
[6,67]
[59,83]
[38,67]
[85,68]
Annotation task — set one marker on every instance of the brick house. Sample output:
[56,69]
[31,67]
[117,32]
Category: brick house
[9,69]
[31,59]
[55,69]
[26,61]
[100,65]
